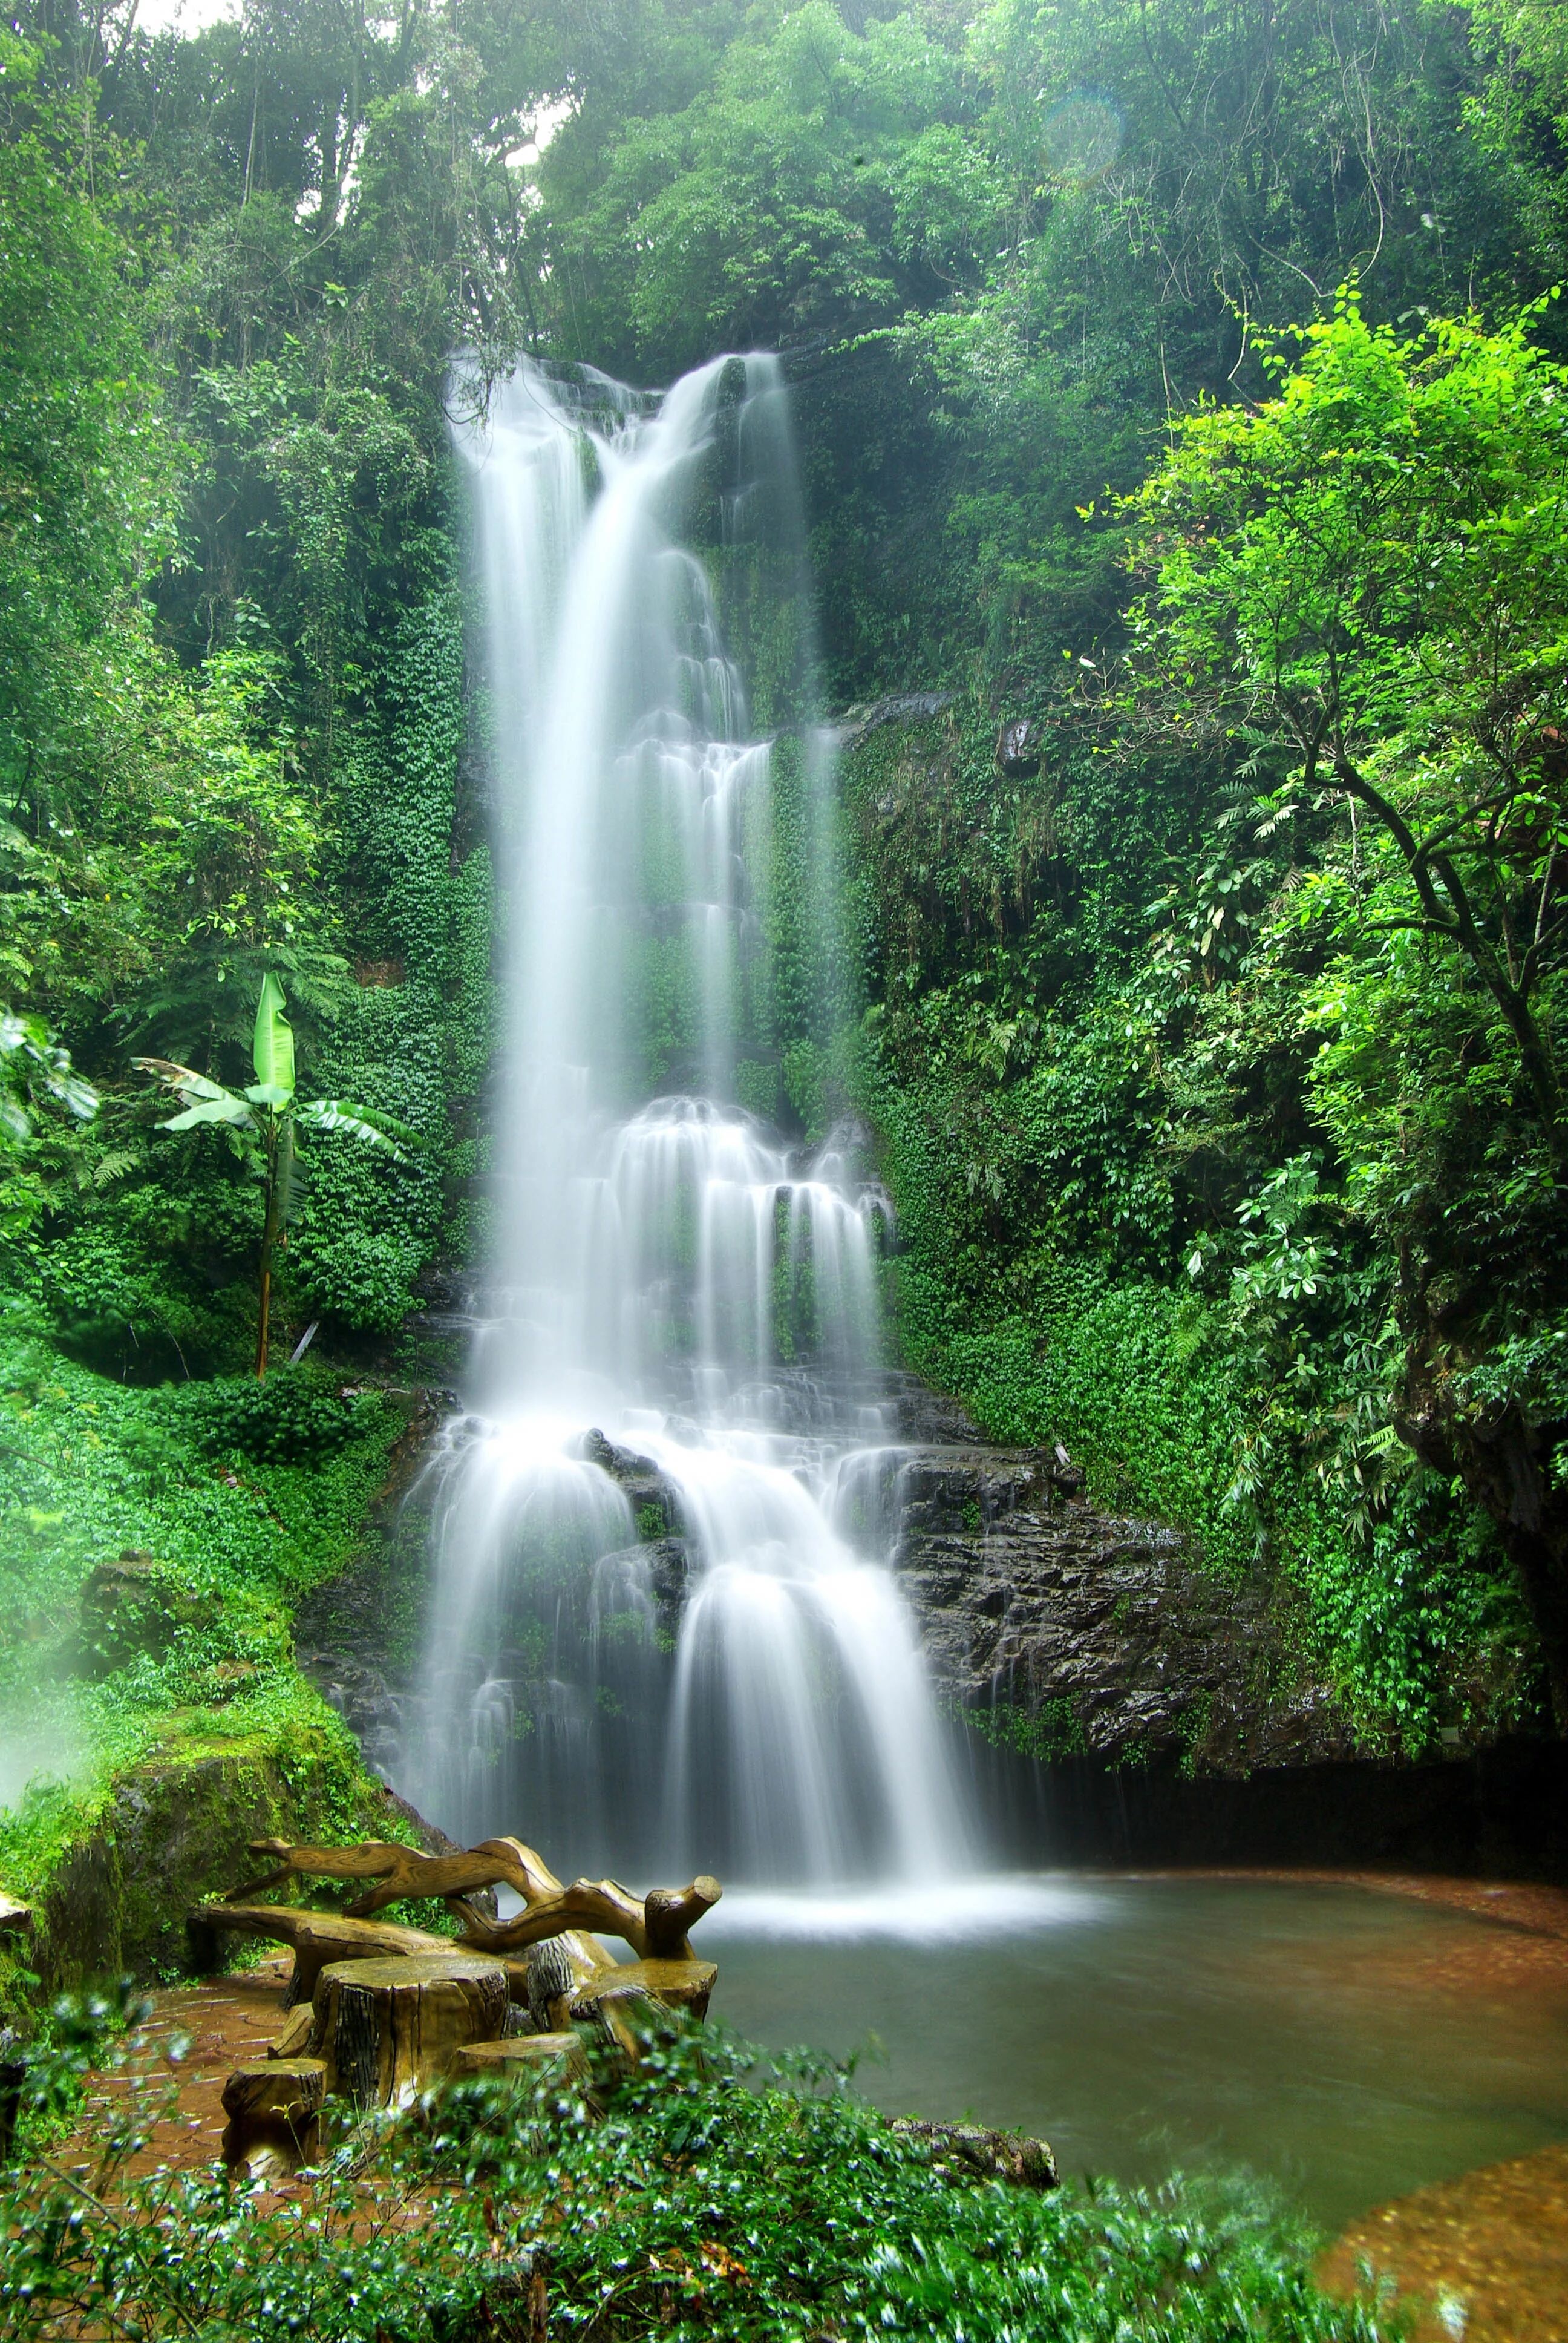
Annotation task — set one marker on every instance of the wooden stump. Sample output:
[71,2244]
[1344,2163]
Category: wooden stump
[386,2028]
[273,2108]
[679,1985]
[298,2031]
[526,2057]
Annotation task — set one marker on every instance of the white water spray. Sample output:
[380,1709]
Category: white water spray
[664,1651]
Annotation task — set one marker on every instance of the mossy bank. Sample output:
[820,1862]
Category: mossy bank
[155,1542]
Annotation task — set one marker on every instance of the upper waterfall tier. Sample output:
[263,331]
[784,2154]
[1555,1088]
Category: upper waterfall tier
[666,891]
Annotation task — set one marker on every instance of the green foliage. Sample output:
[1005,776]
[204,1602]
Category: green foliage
[723,2196]
[288,1419]
[236,1506]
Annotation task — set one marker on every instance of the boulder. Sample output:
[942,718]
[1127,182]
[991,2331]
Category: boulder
[1019,748]
[960,2151]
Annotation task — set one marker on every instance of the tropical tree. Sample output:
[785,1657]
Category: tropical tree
[261,1123]
[1359,593]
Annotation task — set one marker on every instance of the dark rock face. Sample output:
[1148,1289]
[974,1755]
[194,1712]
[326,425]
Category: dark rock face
[903,708]
[1088,1636]
[1019,748]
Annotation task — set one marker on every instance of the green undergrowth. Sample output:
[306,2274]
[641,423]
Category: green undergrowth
[1095,1249]
[153,1544]
[724,2193]
[1410,1616]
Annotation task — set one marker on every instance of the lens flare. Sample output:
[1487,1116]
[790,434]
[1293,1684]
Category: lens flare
[1081,137]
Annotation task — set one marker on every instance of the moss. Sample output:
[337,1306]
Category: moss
[153,1581]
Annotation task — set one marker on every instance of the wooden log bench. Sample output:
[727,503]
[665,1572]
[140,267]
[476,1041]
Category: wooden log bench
[385,2009]
[385,2030]
[274,2108]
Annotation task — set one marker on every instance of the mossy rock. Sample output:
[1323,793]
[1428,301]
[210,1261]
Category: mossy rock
[174,1832]
[135,1607]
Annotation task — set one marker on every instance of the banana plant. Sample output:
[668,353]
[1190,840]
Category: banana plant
[260,1124]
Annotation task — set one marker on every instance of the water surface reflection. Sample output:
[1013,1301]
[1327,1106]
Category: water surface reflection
[1351,2045]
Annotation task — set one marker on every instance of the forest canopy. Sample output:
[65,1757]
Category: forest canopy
[1180,382]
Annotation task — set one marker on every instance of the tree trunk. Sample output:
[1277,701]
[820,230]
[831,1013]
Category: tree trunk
[531,2058]
[388,2028]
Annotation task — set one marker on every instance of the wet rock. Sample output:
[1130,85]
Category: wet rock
[1019,748]
[902,707]
[1086,1634]
[931,1418]
[652,1495]
[961,2150]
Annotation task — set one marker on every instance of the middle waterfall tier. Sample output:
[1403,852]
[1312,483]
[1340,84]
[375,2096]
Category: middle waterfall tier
[650,1638]
[693,1267]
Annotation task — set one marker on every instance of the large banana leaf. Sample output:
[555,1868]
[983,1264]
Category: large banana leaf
[204,1101]
[272,1052]
[219,1110]
[338,1114]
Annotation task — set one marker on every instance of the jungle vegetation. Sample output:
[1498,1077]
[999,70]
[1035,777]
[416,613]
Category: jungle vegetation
[1179,379]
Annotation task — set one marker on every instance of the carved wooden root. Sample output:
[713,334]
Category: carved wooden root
[387,2027]
[656,1927]
[317,1937]
[396,1872]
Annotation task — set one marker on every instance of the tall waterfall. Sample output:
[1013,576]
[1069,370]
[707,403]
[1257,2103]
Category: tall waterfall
[654,1638]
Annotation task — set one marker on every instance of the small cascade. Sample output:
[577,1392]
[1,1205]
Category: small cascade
[650,1637]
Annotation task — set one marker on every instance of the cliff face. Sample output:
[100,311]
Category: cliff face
[1060,1631]
[1066,1631]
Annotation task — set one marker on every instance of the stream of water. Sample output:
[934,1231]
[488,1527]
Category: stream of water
[686,1659]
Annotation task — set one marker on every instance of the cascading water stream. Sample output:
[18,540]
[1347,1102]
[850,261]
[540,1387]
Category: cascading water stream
[651,1639]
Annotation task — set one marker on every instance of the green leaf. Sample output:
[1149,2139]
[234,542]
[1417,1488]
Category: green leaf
[376,1130]
[272,1052]
[184,1079]
[226,1109]
[203,1100]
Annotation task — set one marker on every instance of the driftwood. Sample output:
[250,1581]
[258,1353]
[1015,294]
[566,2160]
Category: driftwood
[397,1874]
[387,2027]
[655,1926]
[317,1937]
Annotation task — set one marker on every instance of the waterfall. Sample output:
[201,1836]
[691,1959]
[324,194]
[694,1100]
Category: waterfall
[651,1640]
